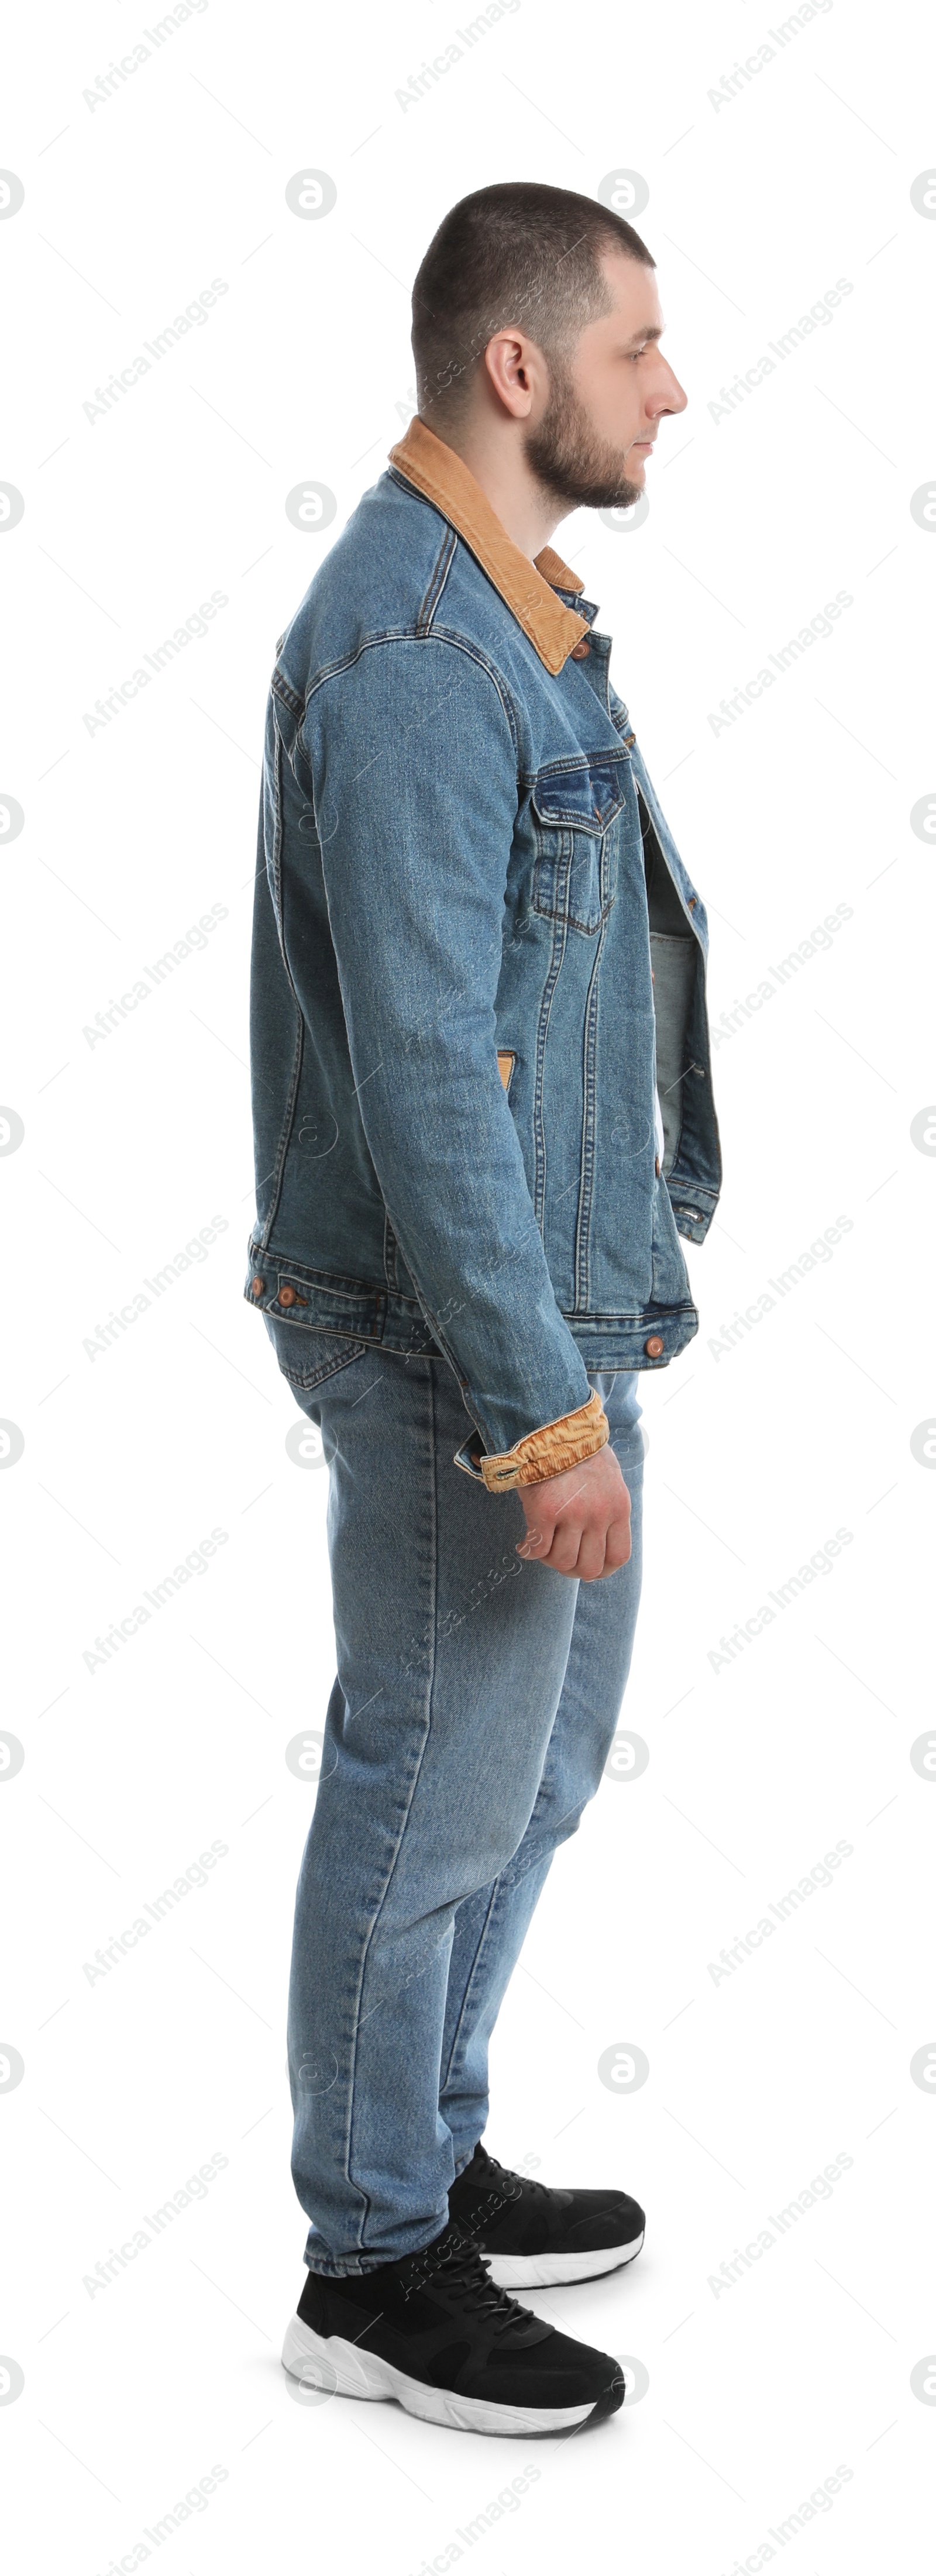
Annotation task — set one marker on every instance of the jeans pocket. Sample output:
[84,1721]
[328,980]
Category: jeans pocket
[308,1356]
[574,808]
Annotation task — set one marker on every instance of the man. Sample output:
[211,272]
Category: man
[466,1249]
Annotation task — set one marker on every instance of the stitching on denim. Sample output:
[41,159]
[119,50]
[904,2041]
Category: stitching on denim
[446,2074]
[332,1282]
[529,615]
[685,1189]
[281,689]
[461,644]
[390,1253]
[276,891]
[293,1092]
[329,1368]
[437,581]
[560,932]
[404,1821]
[562,908]
[561,1832]
[405,635]
[589,1108]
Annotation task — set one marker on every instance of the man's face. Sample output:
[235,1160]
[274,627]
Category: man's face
[600,417]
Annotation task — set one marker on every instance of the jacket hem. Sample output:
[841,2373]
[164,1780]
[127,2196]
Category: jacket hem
[320,1301]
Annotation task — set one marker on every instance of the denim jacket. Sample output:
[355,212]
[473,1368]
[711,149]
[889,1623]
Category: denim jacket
[467,905]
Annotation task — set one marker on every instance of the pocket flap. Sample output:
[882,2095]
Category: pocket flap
[585,794]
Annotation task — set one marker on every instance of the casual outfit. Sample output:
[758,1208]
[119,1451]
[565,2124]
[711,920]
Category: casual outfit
[477,959]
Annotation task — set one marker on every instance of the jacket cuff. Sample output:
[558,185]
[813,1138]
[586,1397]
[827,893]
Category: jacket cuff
[548,1451]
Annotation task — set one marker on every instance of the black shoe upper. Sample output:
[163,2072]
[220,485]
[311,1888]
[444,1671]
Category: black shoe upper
[438,2316]
[509,2213]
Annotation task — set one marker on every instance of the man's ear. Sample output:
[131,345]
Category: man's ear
[509,367]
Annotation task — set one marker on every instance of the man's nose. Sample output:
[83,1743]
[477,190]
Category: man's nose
[668,395]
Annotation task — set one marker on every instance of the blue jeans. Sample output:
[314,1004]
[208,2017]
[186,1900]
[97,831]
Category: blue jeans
[475,1703]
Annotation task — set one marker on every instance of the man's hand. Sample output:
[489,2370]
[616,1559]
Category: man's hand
[579,1522]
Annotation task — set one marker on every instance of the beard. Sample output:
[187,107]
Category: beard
[570,460]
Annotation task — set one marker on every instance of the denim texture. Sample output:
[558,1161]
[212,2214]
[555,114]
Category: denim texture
[460,851]
[475,1702]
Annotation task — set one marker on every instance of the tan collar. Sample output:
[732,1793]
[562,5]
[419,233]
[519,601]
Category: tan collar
[526,587]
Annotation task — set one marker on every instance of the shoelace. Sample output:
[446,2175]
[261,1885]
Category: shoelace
[495,2168]
[464,2270]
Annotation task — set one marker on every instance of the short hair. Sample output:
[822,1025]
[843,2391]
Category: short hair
[517,253]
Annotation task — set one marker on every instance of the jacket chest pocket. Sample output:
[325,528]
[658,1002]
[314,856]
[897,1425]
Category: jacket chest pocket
[574,806]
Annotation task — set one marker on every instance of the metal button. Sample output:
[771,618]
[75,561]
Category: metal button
[654,1347]
[629,738]
[692,900]
[257,1287]
[580,649]
[287,1296]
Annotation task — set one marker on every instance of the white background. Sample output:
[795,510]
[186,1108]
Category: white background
[758,1452]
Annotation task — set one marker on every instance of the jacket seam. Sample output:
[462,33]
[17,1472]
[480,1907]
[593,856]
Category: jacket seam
[437,582]
[337,1282]
[587,1166]
[279,1166]
[389,1252]
[408,635]
[281,689]
[276,899]
[559,939]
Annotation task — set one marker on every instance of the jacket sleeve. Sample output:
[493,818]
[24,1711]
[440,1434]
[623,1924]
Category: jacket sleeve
[414,768]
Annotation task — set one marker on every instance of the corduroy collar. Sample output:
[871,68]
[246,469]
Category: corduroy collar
[528,589]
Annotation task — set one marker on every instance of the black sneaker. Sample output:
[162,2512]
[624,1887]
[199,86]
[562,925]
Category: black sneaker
[533,2237]
[435,2333]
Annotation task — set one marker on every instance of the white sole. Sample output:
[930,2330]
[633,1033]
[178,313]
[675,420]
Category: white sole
[547,2271]
[338,2369]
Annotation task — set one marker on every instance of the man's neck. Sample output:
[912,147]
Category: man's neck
[527,513]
